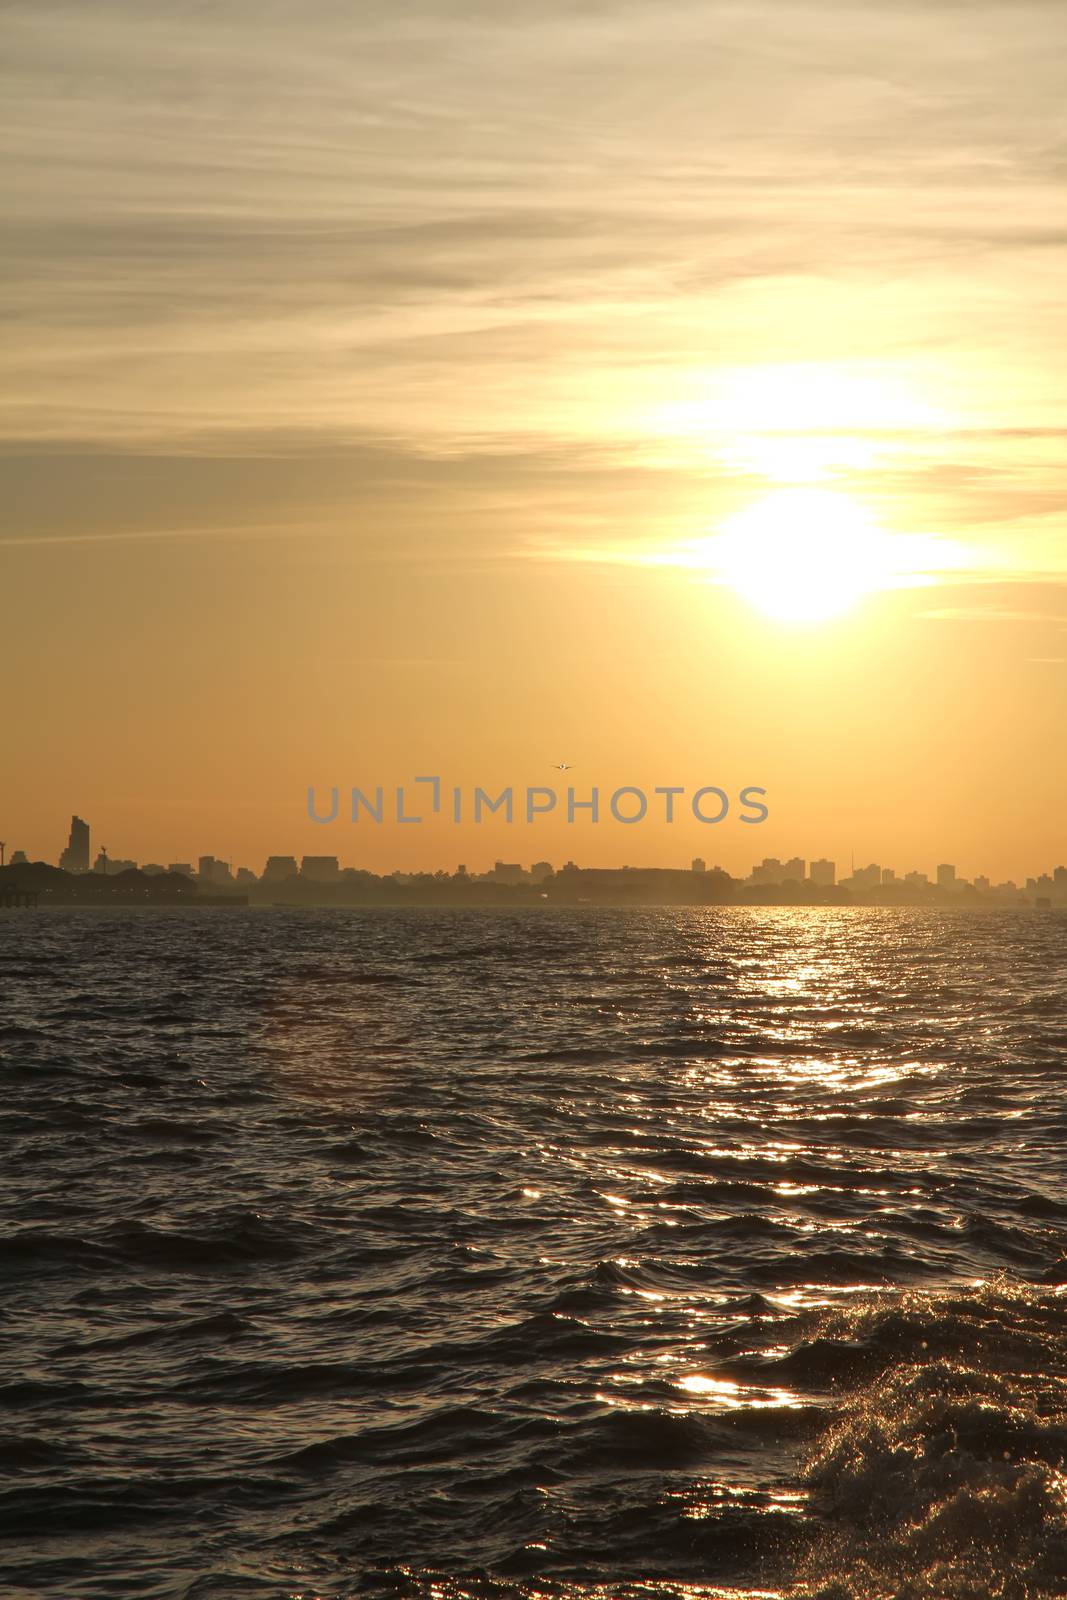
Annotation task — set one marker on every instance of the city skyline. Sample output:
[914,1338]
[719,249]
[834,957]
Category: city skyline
[326,867]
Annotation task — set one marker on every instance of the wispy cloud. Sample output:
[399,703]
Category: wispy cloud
[300,230]
[989,614]
[226,218]
[44,542]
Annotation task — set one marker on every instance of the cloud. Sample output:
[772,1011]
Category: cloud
[988,614]
[459,230]
[41,542]
[226,217]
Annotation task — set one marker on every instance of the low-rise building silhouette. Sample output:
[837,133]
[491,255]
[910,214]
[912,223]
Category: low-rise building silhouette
[320,869]
[278,868]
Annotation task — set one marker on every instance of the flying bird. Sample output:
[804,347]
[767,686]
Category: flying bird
[561,766]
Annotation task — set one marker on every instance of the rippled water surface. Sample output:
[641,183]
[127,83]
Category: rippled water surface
[619,1254]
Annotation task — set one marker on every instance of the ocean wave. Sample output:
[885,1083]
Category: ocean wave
[943,1475]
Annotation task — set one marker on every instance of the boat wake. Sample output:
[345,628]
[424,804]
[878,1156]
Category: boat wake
[943,1474]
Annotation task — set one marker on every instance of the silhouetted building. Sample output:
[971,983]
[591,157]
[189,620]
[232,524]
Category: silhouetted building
[699,864]
[916,880]
[279,868]
[823,873]
[320,869]
[946,876]
[507,872]
[75,857]
[541,870]
[245,877]
[182,866]
[152,869]
[211,870]
[888,875]
[19,859]
[773,871]
[110,866]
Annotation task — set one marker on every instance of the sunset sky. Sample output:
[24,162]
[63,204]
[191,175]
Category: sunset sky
[677,390]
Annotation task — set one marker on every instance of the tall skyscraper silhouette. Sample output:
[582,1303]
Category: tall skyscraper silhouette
[75,857]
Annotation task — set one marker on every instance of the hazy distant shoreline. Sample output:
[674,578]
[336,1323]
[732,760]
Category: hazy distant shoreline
[225,903]
[570,887]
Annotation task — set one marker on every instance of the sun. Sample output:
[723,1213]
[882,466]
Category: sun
[804,555]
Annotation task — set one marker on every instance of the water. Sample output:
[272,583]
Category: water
[617,1254]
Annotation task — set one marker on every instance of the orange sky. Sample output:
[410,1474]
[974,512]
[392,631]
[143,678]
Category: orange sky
[388,391]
